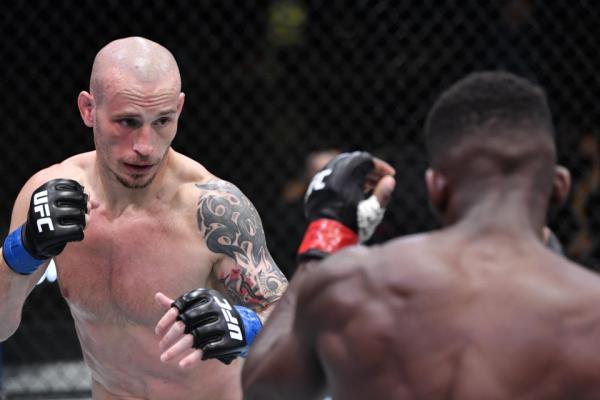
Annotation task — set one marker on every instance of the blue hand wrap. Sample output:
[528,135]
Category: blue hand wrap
[15,255]
[252,326]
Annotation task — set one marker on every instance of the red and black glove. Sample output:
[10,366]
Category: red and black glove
[332,203]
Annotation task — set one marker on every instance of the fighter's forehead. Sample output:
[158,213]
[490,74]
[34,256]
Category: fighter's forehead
[137,74]
[160,98]
[121,89]
[134,102]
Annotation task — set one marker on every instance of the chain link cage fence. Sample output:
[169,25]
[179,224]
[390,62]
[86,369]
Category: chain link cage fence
[272,87]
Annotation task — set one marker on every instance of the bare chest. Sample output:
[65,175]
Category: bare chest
[116,270]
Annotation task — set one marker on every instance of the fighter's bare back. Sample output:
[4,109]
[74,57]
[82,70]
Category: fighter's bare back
[439,316]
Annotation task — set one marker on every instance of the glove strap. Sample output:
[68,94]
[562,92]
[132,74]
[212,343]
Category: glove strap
[252,326]
[16,256]
[325,236]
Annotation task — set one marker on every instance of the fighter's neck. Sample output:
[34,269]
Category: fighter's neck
[116,197]
[512,212]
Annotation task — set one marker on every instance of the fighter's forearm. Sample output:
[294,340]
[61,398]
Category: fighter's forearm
[10,306]
[265,313]
[14,289]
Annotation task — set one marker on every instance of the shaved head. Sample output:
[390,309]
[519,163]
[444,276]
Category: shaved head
[133,107]
[132,59]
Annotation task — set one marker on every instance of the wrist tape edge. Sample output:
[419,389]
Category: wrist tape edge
[16,255]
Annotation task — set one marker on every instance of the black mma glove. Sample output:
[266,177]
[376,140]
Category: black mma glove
[336,207]
[219,330]
[56,216]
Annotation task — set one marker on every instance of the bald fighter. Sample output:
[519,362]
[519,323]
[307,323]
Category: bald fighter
[139,231]
[480,309]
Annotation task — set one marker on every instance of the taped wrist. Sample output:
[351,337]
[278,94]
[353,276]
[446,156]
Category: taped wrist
[325,236]
[16,255]
[252,325]
[369,214]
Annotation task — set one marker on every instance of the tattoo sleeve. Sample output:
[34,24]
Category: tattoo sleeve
[231,226]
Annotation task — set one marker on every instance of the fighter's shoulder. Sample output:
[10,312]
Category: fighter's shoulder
[417,246]
[340,271]
[354,259]
[332,290]
[75,167]
[215,198]
[193,191]
[188,174]
[401,259]
[579,284]
[195,181]
[186,170]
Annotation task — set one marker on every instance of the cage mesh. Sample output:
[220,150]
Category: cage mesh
[269,86]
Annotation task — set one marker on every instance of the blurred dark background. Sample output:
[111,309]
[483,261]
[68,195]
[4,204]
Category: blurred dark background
[271,84]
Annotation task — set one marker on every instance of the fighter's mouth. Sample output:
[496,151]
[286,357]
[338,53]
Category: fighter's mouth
[138,168]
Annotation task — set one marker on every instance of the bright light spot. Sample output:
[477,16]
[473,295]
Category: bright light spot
[50,274]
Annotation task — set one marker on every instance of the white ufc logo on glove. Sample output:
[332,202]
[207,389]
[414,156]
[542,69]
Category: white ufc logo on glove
[317,182]
[40,202]
[232,322]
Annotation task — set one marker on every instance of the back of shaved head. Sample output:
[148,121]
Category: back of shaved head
[132,59]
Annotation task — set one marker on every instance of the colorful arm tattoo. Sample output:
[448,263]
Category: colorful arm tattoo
[231,225]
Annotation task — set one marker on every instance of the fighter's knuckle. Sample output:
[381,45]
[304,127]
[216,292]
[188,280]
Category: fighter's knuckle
[179,327]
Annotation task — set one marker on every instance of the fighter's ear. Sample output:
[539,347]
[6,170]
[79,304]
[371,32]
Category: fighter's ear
[561,185]
[438,190]
[85,102]
[180,101]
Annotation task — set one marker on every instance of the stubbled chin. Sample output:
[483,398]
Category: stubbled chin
[136,183]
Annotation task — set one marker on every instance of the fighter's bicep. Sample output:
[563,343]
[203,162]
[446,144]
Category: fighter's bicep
[231,226]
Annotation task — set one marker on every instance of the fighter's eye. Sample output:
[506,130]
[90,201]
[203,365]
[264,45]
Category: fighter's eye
[163,121]
[129,123]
